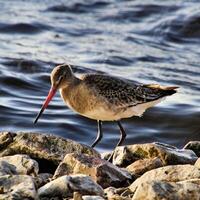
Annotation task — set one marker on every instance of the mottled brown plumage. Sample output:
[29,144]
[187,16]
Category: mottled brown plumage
[123,93]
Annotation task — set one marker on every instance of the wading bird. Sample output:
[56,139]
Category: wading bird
[103,98]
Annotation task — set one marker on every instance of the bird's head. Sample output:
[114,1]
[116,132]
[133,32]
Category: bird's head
[61,76]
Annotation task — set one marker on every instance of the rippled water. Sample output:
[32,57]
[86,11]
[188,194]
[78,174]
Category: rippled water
[147,41]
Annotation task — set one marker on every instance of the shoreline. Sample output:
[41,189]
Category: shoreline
[44,166]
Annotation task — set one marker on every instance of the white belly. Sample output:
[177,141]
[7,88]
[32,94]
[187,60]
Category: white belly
[103,114]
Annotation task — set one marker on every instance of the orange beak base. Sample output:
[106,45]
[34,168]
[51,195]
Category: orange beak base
[52,92]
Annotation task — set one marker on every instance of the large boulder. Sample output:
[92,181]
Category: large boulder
[65,186]
[17,187]
[173,173]
[160,190]
[103,172]
[18,164]
[169,155]
[46,149]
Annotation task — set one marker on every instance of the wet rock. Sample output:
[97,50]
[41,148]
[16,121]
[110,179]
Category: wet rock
[173,173]
[194,146]
[5,139]
[48,150]
[103,172]
[139,167]
[18,164]
[160,190]
[17,187]
[42,179]
[64,186]
[169,155]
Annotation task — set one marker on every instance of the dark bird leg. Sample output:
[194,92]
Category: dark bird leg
[99,133]
[122,138]
[123,134]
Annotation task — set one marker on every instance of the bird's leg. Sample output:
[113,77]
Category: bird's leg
[122,138]
[123,134]
[99,133]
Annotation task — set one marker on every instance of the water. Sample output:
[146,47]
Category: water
[147,41]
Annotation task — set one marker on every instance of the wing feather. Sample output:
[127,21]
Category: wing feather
[123,93]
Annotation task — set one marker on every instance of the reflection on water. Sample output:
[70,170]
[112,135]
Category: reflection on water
[153,41]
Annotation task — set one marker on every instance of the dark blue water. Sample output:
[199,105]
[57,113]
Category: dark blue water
[147,41]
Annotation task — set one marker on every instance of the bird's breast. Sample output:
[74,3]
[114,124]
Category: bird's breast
[79,99]
[88,104]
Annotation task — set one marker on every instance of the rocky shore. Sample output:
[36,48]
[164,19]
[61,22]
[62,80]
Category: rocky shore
[40,166]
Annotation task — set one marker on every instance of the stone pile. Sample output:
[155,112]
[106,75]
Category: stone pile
[39,166]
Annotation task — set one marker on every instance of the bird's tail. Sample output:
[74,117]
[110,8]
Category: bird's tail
[168,90]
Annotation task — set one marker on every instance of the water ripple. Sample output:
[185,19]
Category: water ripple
[78,7]
[23,28]
[141,42]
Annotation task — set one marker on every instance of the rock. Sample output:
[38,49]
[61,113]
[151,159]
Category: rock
[103,172]
[42,179]
[105,155]
[17,187]
[18,164]
[194,180]
[173,173]
[139,167]
[77,196]
[118,193]
[6,138]
[64,186]
[48,150]
[194,146]
[197,163]
[86,197]
[169,155]
[160,190]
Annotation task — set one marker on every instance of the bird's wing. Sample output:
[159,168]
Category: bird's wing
[123,93]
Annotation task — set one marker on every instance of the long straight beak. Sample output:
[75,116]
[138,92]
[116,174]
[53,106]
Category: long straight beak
[52,92]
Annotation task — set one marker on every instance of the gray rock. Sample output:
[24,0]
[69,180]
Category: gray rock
[47,147]
[103,172]
[194,146]
[18,164]
[169,155]
[139,167]
[173,173]
[64,186]
[17,187]
[160,190]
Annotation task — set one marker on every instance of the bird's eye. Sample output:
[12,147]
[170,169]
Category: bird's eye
[60,79]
